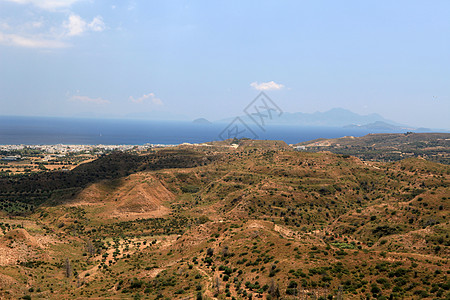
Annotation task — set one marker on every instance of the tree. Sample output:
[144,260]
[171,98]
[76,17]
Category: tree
[67,268]
[90,248]
[273,289]
[225,251]
[217,284]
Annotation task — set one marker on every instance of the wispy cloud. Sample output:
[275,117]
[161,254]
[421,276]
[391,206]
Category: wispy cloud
[38,28]
[132,5]
[4,26]
[34,41]
[89,100]
[148,97]
[97,24]
[267,86]
[47,4]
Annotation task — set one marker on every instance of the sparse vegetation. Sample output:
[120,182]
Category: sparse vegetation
[260,221]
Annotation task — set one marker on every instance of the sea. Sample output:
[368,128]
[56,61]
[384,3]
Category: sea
[80,131]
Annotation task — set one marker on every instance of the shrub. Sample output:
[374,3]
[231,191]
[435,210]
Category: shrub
[189,188]
[375,289]
[135,284]
[292,292]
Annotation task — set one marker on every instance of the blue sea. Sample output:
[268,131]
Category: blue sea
[44,130]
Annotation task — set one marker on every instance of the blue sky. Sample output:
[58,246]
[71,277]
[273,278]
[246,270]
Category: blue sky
[164,59]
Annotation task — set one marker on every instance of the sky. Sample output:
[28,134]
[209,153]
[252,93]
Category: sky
[191,59]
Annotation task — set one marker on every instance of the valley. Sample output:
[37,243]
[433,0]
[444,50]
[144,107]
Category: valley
[239,219]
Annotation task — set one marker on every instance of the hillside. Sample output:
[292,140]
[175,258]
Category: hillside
[387,146]
[21,193]
[256,220]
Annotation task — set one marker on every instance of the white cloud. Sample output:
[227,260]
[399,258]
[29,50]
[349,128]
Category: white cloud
[97,24]
[30,42]
[86,99]
[150,96]
[77,26]
[47,4]
[266,86]
[37,24]
[35,29]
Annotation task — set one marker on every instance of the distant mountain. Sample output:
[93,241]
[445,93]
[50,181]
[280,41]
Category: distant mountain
[201,121]
[336,117]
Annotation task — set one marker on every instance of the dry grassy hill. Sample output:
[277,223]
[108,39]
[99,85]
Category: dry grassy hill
[135,196]
[387,146]
[258,222]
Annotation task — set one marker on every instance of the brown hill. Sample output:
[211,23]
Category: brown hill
[18,245]
[258,223]
[387,146]
[139,195]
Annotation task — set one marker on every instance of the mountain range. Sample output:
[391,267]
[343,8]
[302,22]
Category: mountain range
[336,117]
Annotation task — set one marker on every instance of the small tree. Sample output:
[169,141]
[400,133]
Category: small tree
[273,289]
[217,284]
[90,248]
[67,268]
[225,251]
